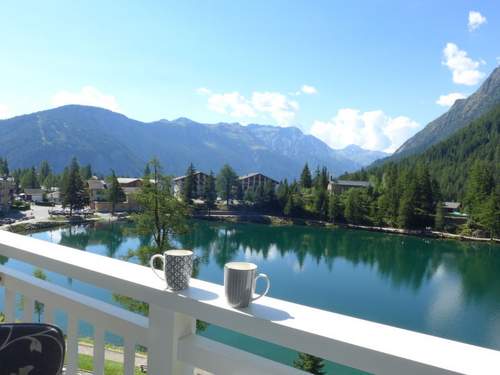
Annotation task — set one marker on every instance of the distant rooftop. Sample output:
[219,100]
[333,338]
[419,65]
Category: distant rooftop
[352,183]
[183,177]
[256,174]
[451,205]
[96,184]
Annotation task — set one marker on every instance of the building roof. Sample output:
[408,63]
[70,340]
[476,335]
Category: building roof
[451,205]
[351,183]
[183,177]
[256,174]
[96,184]
[128,180]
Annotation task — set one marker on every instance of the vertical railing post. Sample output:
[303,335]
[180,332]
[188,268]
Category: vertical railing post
[166,327]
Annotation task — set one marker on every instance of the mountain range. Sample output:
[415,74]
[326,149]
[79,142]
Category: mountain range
[108,140]
[461,113]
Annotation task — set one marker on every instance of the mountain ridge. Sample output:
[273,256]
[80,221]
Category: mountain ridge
[460,114]
[108,140]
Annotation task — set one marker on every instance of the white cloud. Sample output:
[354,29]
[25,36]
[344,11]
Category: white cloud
[465,70]
[88,95]
[476,19]
[309,90]
[4,112]
[449,99]
[276,105]
[203,91]
[272,105]
[373,130]
[232,103]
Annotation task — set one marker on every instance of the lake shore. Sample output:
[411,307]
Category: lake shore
[280,220]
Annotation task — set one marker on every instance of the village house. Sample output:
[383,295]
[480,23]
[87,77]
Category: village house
[253,180]
[339,186]
[98,194]
[200,179]
[451,207]
[7,188]
[33,195]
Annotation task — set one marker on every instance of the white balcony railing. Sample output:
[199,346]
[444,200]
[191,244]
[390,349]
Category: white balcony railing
[169,332]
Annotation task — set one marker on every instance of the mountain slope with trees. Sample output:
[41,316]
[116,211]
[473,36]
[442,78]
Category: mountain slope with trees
[109,140]
[451,161]
[457,117]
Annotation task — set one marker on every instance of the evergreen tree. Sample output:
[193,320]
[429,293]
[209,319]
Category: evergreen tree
[305,178]
[210,194]
[4,167]
[73,189]
[334,208]
[440,217]
[115,192]
[490,213]
[189,186]
[355,206]
[289,206]
[44,170]
[479,188]
[282,194]
[86,172]
[309,363]
[226,182]
[29,179]
[147,171]
[270,195]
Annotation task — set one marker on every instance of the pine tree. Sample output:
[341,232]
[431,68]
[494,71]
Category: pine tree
[73,188]
[305,178]
[479,188]
[210,194]
[4,167]
[86,172]
[309,363]
[288,210]
[189,186]
[490,213]
[334,208]
[115,192]
[44,170]
[226,182]
[440,217]
[147,171]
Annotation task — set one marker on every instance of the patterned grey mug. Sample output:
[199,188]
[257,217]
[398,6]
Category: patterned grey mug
[177,268]
[239,283]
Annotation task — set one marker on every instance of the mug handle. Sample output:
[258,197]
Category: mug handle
[151,264]
[263,276]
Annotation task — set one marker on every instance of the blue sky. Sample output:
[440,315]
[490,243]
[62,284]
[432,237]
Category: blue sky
[363,72]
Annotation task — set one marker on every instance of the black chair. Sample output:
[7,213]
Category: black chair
[31,349]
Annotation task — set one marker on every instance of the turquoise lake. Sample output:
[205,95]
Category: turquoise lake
[445,288]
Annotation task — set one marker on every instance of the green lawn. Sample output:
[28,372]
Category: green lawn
[85,362]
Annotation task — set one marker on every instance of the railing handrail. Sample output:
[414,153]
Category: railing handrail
[354,342]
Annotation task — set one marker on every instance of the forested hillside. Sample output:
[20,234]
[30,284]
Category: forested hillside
[450,162]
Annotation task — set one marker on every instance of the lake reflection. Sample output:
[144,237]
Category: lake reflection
[446,288]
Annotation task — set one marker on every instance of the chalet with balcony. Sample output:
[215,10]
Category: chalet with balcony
[200,180]
[253,180]
[339,186]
